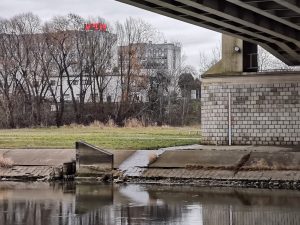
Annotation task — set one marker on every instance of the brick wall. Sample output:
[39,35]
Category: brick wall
[265,109]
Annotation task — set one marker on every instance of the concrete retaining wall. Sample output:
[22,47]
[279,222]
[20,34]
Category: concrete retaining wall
[265,109]
[92,161]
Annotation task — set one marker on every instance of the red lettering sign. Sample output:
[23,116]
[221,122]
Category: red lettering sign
[87,26]
[95,26]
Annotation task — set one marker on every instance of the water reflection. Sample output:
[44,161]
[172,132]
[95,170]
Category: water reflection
[69,204]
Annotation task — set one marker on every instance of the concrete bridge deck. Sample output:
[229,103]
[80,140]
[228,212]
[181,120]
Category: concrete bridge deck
[272,24]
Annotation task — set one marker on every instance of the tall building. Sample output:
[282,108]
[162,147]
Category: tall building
[147,58]
[94,80]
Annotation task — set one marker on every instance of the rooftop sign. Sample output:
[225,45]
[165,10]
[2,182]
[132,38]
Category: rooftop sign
[95,26]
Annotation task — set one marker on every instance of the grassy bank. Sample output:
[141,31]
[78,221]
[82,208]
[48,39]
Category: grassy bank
[107,137]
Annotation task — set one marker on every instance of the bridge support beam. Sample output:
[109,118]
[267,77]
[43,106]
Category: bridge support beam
[238,56]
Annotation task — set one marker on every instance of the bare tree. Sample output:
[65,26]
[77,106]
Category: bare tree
[100,57]
[20,45]
[8,74]
[81,57]
[42,63]
[208,59]
[268,62]
[33,47]
[58,47]
[132,37]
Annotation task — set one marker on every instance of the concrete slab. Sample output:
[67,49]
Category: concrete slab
[207,147]
[237,148]
[201,159]
[120,156]
[39,157]
[273,161]
[26,173]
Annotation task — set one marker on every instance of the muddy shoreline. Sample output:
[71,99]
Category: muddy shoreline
[247,184]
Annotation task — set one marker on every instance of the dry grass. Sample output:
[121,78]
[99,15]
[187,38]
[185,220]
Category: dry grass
[235,167]
[111,123]
[74,125]
[208,167]
[129,123]
[133,123]
[262,164]
[97,124]
[5,162]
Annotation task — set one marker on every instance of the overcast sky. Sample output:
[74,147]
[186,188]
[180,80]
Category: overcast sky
[194,39]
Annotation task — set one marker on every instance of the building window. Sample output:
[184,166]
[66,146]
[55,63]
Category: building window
[108,99]
[88,82]
[94,96]
[52,83]
[53,108]
[36,83]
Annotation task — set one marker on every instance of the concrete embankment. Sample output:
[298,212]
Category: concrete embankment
[256,167]
[237,166]
[37,164]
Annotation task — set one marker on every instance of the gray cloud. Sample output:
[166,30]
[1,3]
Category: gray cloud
[194,39]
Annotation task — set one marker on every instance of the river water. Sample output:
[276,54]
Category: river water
[70,204]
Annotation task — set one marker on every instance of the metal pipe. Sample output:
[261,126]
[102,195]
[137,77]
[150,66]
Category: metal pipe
[229,119]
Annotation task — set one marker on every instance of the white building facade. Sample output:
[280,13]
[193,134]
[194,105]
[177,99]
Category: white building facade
[157,57]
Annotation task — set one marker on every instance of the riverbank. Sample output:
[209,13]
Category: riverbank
[223,166]
[211,166]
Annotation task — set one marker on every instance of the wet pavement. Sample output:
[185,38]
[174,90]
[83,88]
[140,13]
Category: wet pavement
[139,161]
[136,164]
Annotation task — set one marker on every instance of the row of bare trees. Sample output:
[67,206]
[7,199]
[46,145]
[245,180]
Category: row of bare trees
[56,72]
[34,55]
[41,62]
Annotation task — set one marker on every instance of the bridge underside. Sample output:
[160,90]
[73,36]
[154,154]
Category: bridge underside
[272,24]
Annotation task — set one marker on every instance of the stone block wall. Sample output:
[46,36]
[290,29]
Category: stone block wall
[265,109]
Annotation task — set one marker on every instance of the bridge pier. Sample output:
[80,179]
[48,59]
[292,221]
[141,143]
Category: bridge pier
[243,107]
[264,108]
